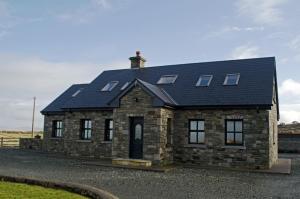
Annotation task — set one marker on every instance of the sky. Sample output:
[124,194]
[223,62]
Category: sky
[46,46]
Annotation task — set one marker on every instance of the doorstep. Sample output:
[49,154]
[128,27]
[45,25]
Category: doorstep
[132,162]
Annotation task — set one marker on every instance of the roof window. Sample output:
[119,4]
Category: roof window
[109,86]
[125,86]
[204,80]
[232,79]
[76,93]
[167,79]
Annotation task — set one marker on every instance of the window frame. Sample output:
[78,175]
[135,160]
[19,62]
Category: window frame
[197,131]
[237,79]
[160,79]
[234,132]
[107,130]
[169,131]
[115,83]
[86,132]
[198,84]
[56,128]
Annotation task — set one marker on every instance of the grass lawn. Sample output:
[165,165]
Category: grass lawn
[10,190]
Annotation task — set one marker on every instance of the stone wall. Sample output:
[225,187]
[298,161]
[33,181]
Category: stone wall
[259,127]
[31,143]
[273,131]
[142,107]
[289,129]
[254,153]
[70,143]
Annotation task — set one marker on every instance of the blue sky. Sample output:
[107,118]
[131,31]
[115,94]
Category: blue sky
[45,46]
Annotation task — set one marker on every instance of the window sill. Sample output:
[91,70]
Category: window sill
[202,146]
[234,147]
[106,142]
[56,138]
[84,141]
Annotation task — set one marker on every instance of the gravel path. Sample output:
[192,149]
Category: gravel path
[180,183]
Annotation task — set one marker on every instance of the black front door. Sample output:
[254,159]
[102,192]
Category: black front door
[136,137]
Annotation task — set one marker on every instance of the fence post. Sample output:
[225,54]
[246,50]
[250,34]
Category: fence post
[1,145]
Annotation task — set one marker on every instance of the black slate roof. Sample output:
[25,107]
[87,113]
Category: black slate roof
[255,87]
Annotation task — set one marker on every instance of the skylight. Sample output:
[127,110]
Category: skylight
[232,79]
[204,80]
[109,86]
[76,93]
[167,79]
[125,86]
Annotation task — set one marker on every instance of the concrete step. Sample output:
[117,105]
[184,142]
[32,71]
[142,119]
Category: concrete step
[132,162]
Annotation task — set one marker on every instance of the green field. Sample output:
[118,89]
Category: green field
[11,138]
[10,190]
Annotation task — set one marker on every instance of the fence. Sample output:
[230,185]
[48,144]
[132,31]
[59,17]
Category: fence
[9,142]
[289,143]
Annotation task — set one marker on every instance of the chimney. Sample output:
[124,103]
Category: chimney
[138,61]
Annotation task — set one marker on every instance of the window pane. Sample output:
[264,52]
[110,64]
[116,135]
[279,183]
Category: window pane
[111,124]
[231,79]
[230,126]
[204,80]
[193,125]
[109,86]
[167,79]
[230,138]
[239,138]
[201,137]
[193,137]
[201,125]
[125,85]
[239,126]
[138,132]
[110,135]
[86,124]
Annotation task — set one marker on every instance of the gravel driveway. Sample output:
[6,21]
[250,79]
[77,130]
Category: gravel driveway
[180,183]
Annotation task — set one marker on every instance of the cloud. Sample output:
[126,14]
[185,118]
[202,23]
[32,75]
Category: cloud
[289,113]
[3,33]
[228,30]
[102,3]
[86,13]
[289,96]
[22,78]
[265,12]
[294,44]
[245,51]
[290,88]
[4,11]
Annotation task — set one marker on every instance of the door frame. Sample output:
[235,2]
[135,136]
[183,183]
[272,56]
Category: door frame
[131,135]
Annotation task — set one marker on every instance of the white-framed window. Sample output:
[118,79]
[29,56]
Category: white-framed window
[167,79]
[232,79]
[204,80]
[109,86]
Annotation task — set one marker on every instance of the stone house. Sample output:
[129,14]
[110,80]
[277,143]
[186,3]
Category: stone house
[221,113]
